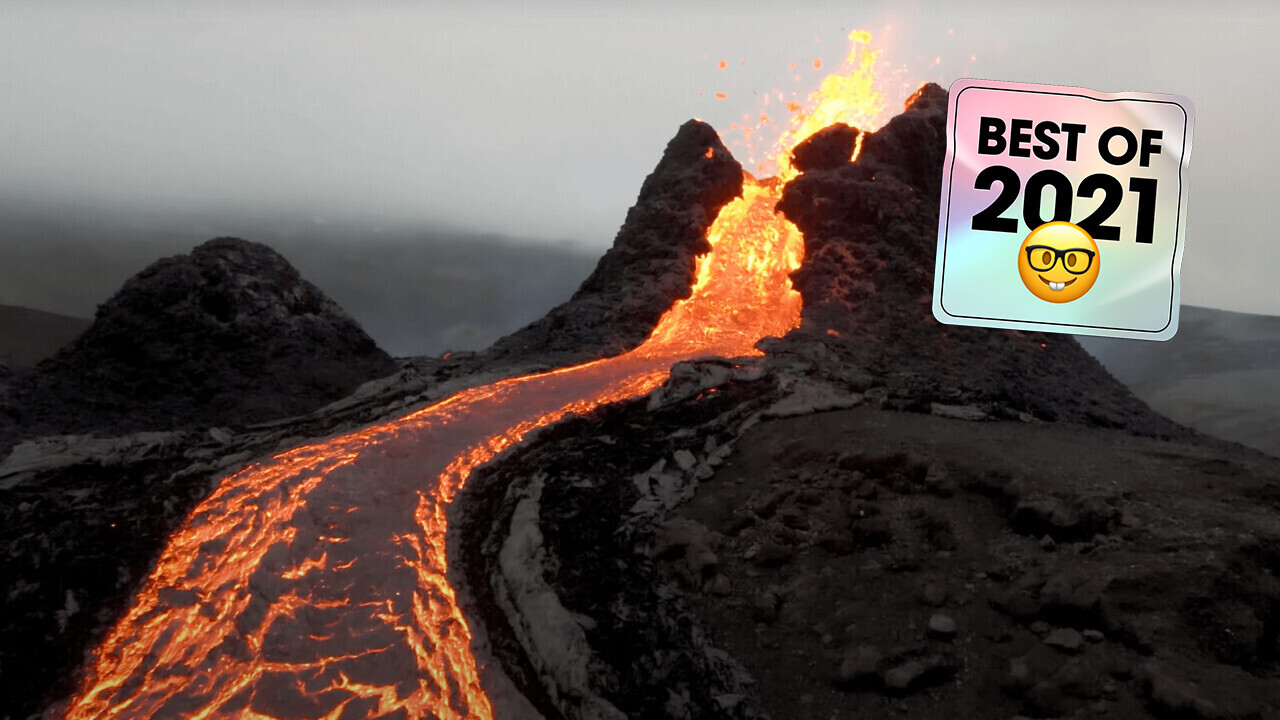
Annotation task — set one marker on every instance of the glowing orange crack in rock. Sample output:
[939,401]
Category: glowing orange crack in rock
[343,533]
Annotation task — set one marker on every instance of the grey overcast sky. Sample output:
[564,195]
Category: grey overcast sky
[541,119]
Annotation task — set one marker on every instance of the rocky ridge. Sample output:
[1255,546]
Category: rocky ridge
[886,515]
[650,264]
[870,231]
[227,335]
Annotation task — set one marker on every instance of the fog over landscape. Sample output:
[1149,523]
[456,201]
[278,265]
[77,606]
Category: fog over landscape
[407,156]
[417,290]
[425,359]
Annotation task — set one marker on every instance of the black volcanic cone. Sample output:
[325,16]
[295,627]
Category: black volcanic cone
[228,335]
[813,543]
[651,263]
[870,230]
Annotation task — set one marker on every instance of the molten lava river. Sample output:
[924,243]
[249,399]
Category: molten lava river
[313,585]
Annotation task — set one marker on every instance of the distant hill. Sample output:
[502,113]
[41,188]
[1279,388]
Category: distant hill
[417,289]
[1220,374]
[229,334]
[28,336]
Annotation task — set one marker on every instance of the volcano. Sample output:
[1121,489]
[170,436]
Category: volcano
[883,515]
[760,481]
[228,335]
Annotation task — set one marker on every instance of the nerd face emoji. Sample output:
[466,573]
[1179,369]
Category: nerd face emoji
[1058,262]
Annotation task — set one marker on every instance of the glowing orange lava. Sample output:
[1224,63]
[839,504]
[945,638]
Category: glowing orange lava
[313,585]
[851,96]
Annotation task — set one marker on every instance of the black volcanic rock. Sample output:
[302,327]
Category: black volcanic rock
[228,335]
[911,147]
[651,263]
[827,148]
[870,231]
[28,336]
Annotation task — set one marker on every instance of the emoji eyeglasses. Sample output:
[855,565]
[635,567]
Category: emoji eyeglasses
[1076,261]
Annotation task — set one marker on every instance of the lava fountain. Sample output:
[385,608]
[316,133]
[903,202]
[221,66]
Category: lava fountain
[313,584]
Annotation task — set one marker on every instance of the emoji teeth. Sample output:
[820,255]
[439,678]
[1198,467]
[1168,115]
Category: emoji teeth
[1050,246]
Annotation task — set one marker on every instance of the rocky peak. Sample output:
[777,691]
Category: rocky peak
[651,263]
[827,148]
[912,145]
[870,231]
[228,335]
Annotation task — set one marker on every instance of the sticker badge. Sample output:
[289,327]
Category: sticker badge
[1063,209]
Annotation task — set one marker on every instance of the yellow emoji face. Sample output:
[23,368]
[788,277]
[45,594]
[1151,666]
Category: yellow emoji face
[1058,262]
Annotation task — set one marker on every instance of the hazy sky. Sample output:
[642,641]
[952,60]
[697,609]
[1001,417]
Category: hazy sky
[540,120]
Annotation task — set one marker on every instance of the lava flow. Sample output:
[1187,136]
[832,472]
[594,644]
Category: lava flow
[313,585]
